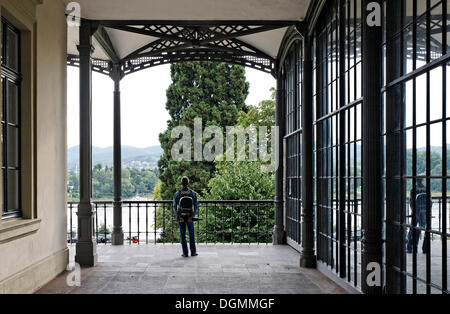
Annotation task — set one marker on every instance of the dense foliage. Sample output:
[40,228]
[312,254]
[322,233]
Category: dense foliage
[235,181]
[421,164]
[134,182]
[214,92]
[262,114]
[241,181]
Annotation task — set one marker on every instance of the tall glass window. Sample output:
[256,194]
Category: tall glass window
[338,106]
[352,142]
[11,80]
[293,86]
[327,130]
[420,88]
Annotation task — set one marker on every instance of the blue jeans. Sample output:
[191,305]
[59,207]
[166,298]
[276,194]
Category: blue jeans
[422,222]
[191,231]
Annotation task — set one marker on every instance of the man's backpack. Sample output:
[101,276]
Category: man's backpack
[421,203]
[185,208]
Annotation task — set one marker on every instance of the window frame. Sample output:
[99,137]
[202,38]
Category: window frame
[13,77]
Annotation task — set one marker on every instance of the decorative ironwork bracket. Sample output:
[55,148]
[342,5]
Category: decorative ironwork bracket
[218,41]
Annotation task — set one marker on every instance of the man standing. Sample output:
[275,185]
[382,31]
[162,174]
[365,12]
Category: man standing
[185,208]
[422,206]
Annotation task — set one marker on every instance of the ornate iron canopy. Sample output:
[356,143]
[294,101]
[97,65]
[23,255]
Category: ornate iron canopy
[171,42]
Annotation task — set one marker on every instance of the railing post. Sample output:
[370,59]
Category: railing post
[86,249]
[117,234]
[372,156]
[279,234]
[308,255]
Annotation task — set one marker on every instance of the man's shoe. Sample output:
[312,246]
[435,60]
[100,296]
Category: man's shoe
[194,254]
[184,255]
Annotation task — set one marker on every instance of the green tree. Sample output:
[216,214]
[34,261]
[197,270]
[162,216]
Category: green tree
[421,166]
[214,92]
[235,181]
[244,181]
[101,182]
[261,115]
[241,181]
[73,186]
[134,182]
[103,230]
[157,192]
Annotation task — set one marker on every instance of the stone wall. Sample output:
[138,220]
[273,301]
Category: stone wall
[33,250]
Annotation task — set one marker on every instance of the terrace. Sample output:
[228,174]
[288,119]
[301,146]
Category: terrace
[362,110]
[219,269]
[334,171]
[235,243]
[235,253]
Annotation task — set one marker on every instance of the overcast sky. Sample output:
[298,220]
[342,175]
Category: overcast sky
[144,97]
[143,105]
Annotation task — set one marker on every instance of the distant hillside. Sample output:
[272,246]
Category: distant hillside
[434,149]
[132,157]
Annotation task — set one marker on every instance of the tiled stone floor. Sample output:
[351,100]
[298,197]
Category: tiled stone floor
[437,266]
[219,269]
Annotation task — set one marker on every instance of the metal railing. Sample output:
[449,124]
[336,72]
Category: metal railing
[437,214]
[152,222]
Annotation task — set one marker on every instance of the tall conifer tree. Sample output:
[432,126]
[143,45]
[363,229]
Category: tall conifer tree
[214,92]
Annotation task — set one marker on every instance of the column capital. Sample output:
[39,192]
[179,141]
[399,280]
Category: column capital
[116,73]
[85,50]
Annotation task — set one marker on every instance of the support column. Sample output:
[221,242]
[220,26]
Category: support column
[86,248]
[372,156]
[308,254]
[342,227]
[117,234]
[279,234]
[395,234]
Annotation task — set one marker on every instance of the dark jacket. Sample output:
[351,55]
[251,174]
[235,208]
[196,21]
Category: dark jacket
[176,199]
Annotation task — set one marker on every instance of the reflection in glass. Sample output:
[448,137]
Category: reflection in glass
[436,94]
[12,190]
[13,147]
[409,104]
[436,33]
[13,49]
[421,99]
[13,103]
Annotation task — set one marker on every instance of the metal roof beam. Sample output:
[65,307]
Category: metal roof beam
[215,36]
[147,32]
[102,37]
[111,23]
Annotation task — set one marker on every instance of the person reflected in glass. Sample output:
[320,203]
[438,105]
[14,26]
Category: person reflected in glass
[423,204]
